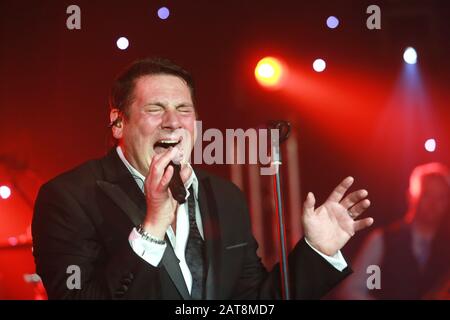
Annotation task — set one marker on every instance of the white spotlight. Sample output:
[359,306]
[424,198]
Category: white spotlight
[122,43]
[319,65]
[410,55]
[430,145]
[5,192]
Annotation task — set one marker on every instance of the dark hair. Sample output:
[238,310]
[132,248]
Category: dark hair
[122,91]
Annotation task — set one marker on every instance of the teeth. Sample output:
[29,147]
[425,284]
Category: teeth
[168,141]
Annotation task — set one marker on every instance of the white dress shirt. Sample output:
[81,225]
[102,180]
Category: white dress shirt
[153,253]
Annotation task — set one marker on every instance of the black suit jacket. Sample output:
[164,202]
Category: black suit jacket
[84,217]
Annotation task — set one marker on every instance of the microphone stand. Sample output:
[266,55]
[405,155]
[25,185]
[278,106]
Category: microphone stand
[284,130]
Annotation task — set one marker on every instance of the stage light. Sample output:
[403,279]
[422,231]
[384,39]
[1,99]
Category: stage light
[269,71]
[332,22]
[5,192]
[319,65]
[12,241]
[163,13]
[430,145]
[122,43]
[410,55]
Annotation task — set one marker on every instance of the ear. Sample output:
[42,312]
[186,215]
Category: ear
[117,129]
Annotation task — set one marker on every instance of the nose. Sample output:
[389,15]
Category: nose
[170,120]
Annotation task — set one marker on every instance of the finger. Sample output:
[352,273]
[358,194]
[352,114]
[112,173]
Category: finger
[308,205]
[153,161]
[359,208]
[362,224]
[185,172]
[353,198]
[159,166]
[340,190]
[166,157]
[165,180]
[149,181]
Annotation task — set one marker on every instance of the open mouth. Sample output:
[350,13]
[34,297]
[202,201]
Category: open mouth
[166,143]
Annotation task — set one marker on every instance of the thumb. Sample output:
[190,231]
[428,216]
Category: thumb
[308,205]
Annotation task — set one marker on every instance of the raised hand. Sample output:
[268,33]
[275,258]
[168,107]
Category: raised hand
[329,227]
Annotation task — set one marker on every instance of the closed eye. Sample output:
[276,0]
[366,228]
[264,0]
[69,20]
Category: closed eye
[154,109]
[185,109]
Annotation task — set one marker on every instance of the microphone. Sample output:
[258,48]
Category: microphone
[176,184]
[284,129]
[283,126]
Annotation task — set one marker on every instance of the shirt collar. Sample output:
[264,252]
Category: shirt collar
[140,179]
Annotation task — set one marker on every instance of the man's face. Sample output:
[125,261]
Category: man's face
[161,115]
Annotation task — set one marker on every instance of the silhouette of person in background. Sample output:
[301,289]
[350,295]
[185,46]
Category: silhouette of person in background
[413,253]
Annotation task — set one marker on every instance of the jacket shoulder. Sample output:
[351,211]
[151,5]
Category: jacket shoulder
[80,177]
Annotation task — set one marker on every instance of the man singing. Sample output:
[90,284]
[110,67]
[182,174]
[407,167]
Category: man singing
[115,221]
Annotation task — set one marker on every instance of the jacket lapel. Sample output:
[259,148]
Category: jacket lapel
[171,263]
[132,203]
[208,211]
[123,201]
[120,186]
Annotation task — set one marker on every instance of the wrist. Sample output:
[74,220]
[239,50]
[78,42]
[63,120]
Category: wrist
[323,250]
[157,230]
[146,235]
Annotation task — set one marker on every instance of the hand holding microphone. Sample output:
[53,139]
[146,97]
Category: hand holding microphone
[176,184]
[164,189]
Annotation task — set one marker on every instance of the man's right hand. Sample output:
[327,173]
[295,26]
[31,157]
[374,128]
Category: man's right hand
[161,206]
